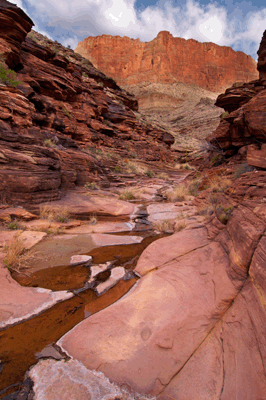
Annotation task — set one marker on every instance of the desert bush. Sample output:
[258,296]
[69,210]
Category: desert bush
[49,143]
[206,210]
[13,225]
[185,166]
[223,213]
[16,255]
[149,173]
[224,114]
[166,225]
[8,77]
[67,112]
[164,176]
[178,193]
[91,185]
[217,160]
[55,214]
[180,226]
[194,185]
[126,195]
[219,184]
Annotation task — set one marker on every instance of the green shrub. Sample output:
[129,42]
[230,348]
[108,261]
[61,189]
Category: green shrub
[67,112]
[217,160]
[91,185]
[223,213]
[48,143]
[224,114]
[149,173]
[13,225]
[126,195]
[8,77]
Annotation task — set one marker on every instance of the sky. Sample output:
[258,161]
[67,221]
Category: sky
[238,24]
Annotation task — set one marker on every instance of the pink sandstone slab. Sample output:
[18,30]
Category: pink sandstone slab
[10,213]
[28,238]
[116,274]
[31,238]
[82,206]
[146,337]
[18,303]
[163,211]
[6,237]
[166,249]
[103,227]
[54,380]
[102,239]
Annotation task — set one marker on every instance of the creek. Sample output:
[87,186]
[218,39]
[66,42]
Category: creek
[23,344]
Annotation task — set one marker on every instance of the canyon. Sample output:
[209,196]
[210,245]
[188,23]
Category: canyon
[175,81]
[127,272]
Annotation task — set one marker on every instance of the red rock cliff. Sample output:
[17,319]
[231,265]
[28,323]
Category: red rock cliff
[167,59]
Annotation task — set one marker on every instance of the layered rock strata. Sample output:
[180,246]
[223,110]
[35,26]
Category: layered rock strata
[243,126]
[167,59]
[62,109]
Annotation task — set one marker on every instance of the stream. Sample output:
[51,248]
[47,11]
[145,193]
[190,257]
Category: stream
[23,344]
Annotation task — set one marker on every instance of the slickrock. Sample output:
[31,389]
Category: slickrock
[168,59]
[81,206]
[102,239]
[193,325]
[165,318]
[54,380]
[19,303]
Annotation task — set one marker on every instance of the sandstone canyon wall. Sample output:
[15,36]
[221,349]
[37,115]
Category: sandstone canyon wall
[167,59]
[243,130]
[58,112]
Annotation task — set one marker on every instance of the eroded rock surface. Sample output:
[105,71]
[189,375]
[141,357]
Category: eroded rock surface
[61,111]
[193,326]
[19,303]
[54,380]
[168,59]
[244,124]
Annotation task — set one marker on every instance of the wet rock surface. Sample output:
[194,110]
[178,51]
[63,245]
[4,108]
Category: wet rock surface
[172,316]
[183,317]
[19,303]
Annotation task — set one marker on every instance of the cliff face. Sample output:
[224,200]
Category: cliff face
[243,129]
[56,113]
[262,60]
[167,59]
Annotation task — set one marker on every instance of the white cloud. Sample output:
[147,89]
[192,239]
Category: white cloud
[70,21]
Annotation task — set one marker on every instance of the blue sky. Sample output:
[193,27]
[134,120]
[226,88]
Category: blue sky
[239,24]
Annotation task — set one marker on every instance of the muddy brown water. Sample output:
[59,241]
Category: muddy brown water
[20,344]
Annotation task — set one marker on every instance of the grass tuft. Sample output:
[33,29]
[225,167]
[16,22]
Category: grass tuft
[126,195]
[55,214]
[166,225]
[16,255]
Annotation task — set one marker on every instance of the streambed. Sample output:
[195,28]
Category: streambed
[22,345]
